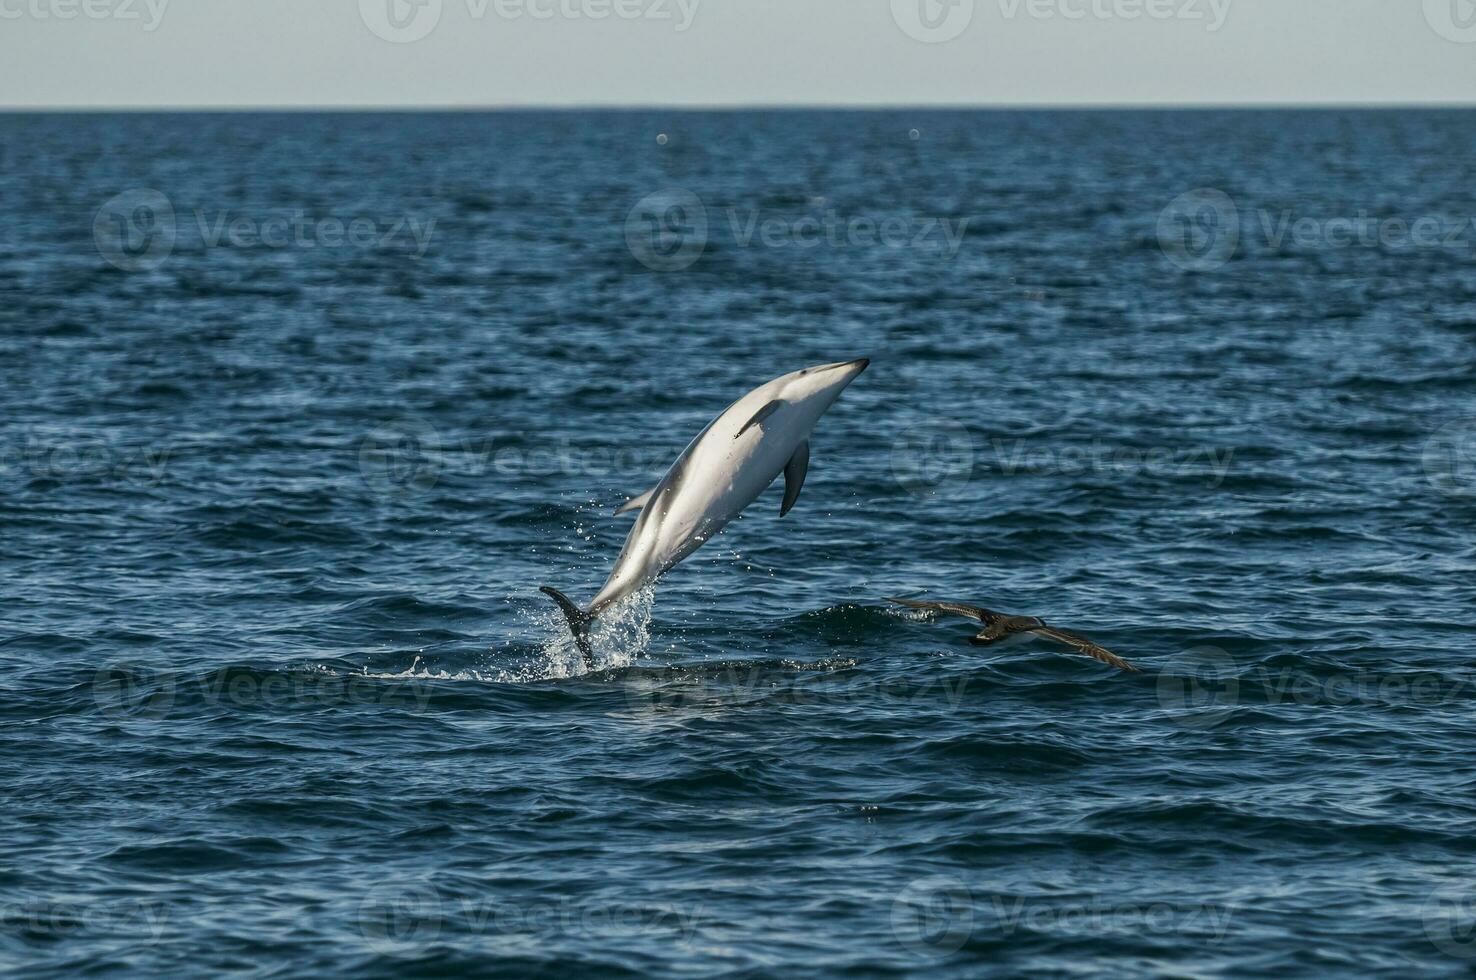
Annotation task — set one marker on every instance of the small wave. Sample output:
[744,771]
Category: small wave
[419,671]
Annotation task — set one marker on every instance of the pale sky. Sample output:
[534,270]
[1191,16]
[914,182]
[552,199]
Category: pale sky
[141,53]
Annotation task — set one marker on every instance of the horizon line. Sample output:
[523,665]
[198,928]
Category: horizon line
[737,107]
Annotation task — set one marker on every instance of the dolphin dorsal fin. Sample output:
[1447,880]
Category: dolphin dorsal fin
[635,503]
[794,476]
[759,416]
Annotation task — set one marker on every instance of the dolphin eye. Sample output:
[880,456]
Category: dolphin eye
[804,372]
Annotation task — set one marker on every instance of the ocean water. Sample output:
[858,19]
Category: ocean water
[297,411]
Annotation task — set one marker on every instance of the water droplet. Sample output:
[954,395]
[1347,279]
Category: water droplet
[914,134]
[661,139]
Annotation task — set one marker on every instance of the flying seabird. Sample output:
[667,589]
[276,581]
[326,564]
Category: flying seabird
[998,626]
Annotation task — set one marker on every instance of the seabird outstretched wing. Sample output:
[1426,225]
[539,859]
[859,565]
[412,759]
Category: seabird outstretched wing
[1082,645]
[983,615]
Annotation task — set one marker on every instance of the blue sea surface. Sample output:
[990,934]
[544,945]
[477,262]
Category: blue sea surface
[297,411]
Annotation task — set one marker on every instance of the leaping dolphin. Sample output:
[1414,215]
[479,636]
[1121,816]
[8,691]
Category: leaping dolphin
[722,471]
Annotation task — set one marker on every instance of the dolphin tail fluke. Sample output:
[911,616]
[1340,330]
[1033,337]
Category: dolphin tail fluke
[579,621]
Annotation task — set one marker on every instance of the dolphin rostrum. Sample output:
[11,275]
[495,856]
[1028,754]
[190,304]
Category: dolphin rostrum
[722,471]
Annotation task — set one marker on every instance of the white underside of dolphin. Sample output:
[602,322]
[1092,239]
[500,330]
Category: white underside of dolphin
[722,471]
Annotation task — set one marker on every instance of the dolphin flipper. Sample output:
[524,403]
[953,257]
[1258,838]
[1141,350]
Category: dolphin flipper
[760,415]
[794,476]
[635,503]
[578,622]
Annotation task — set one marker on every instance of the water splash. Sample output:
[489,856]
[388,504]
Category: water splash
[418,670]
[619,635]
